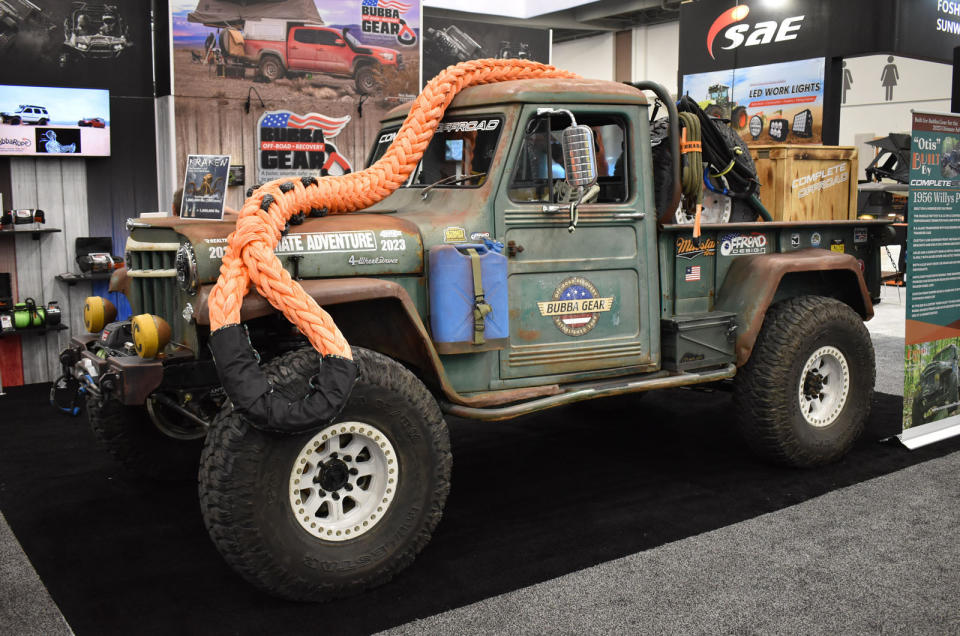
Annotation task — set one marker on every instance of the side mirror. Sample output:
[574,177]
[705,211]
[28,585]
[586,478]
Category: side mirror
[339,42]
[579,156]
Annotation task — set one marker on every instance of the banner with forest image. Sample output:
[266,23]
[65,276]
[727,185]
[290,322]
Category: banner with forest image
[931,389]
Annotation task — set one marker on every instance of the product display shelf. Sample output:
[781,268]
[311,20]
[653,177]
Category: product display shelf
[72,278]
[34,330]
[35,232]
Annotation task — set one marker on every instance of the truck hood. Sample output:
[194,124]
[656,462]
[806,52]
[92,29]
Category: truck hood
[334,246]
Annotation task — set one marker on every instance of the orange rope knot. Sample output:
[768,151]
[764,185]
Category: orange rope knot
[266,212]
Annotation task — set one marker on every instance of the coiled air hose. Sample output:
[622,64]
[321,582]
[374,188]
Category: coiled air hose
[692,157]
[264,219]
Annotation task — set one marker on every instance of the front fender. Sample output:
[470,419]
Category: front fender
[753,283]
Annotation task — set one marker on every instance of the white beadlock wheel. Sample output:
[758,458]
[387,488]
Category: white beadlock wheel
[823,387]
[343,481]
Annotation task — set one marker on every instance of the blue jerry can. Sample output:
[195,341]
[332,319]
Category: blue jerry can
[452,298]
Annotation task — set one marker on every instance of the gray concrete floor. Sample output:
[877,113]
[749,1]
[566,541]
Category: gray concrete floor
[890,566]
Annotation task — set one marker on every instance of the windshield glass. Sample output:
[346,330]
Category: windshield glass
[461,147]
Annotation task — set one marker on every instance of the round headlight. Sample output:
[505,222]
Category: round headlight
[186,265]
[97,313]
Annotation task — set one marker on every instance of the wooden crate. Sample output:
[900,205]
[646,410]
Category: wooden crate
[807,183]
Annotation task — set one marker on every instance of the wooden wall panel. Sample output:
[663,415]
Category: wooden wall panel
[58,187]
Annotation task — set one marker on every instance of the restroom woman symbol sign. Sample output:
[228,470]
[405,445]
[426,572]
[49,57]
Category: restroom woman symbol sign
[889,78]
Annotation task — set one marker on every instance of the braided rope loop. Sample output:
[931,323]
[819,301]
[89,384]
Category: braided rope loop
[249,255]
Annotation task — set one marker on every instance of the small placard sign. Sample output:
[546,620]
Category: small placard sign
[204,187]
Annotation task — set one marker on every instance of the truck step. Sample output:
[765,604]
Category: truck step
[584,391]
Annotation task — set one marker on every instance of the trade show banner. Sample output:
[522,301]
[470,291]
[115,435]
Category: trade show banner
[271,83]
[769,104]
[448,41]
[319,50]
[931,390]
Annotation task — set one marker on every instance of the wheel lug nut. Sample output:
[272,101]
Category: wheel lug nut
[321,493]
[347,458]
[348,486]
[333,455]
[354,471]
[336,496]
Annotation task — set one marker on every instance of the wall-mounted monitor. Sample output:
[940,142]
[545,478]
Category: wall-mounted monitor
[49,121]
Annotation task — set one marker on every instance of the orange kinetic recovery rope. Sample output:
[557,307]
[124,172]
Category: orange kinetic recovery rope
[263,220]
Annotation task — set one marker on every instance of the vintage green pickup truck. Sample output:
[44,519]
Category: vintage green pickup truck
[592,295]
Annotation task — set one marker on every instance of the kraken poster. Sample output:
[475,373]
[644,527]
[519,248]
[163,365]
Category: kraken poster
[449,41]
[204,187]
[931,388]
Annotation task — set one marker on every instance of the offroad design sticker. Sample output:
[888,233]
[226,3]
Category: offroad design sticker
[479,236]
[454,235]
[576,306]
[686,248]
[467,126]
[794,240]
[739,244]
[836,245]
[816,239]
[859,235]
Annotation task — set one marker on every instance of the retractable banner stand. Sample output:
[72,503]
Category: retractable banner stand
[931,390]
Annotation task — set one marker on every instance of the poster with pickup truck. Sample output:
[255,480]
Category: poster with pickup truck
[323,49]
[931,390]
[769,104]
[238,64]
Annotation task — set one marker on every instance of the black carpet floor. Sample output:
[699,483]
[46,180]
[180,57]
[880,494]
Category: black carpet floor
[532,499]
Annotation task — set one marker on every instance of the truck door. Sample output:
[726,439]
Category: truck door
[332,52]
[579,302]
[303,54]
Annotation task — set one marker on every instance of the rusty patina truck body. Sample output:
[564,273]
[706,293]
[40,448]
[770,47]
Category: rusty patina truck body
[623,303]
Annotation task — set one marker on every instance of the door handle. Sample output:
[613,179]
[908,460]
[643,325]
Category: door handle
[513,248]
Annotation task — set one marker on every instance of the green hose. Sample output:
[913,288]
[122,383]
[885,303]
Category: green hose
[692,175]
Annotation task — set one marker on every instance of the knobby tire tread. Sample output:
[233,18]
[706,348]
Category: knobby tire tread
[132,439]
[225,484]
[763,387]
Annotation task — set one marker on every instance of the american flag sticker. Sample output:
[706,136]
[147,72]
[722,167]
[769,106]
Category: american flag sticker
[692,273]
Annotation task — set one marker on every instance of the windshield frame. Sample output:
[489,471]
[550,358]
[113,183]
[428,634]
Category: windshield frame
[501,117]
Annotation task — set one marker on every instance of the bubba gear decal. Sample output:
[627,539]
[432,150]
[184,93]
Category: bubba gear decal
[576,306]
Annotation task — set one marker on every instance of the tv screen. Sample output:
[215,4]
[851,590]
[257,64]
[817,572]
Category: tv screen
[44,121]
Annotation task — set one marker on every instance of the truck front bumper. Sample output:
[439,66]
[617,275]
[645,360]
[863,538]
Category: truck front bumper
[128,379]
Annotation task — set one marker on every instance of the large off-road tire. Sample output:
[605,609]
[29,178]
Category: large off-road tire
[132,437]
[42,122]
[804,394]
[271,68]
[279,508]
[365,79]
